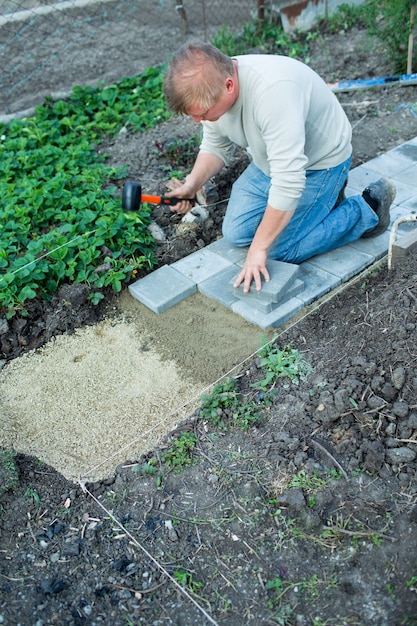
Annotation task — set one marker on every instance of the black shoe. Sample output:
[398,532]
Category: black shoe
[379,195]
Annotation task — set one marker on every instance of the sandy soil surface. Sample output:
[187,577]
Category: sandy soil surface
[85,400]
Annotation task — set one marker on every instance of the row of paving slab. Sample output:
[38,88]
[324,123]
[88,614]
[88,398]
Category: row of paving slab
[212,270]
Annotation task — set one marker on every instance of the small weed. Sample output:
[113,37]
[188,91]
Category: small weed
[390,590]
[311,501]
[309,587]
[32,494]
[117,497]
[180,152]
[283,615]
[8,471]
[277,363]
[224,402]
[179,455]
[223,396]
[313,392]
[412,583]
[347,526]
[186,580]
[285,526]
[308,482]
[146,469]
[224,604]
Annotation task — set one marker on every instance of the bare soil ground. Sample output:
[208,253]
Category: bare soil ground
[308,517]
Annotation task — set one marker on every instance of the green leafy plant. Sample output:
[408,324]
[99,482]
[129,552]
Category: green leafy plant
[32,495]
[280,363]
[223,396]
[390,21]
[179,455]
[180,152]
[186,580]
[60,220]
[225,404]
[412,583]
[267,36]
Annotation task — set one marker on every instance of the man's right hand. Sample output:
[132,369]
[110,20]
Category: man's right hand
[180,190]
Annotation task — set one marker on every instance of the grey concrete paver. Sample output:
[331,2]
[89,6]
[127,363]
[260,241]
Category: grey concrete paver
[405,191]
[281,276]
[162,289]
[317,282]
[410,205]
[292,289]
[212,269]
[376,247]
[408,175]
[200,265]
[231,253]
[217,286]
[275,319]
[343,262]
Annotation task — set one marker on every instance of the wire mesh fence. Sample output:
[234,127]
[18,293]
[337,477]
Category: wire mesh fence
[46,48]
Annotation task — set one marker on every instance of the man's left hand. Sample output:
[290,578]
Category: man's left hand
[253,270]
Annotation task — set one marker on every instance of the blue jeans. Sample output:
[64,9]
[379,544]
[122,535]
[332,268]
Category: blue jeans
[316,226]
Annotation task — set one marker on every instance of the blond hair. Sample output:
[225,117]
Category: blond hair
[195,76]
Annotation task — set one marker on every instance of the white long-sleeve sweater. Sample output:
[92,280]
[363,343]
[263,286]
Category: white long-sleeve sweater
[288,118]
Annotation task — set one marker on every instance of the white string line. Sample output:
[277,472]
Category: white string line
[197,396]
[148,554]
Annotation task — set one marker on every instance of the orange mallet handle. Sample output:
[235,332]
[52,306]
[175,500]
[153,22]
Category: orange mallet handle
[133,197]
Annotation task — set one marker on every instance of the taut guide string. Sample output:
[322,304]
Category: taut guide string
[148,555]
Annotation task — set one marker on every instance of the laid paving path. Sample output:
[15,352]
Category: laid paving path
[212,270]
